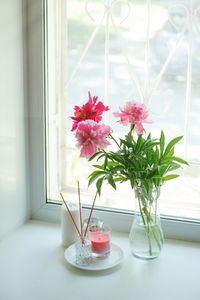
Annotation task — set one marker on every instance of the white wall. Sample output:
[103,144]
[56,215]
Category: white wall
[13,178]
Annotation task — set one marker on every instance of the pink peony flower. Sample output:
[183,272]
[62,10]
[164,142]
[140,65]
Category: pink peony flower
[89,111]
[90,135]
[133,113]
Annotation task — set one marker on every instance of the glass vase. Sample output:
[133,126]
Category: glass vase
[146,235]
[83,251]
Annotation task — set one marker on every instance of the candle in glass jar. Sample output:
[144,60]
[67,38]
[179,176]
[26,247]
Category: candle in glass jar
[100,243]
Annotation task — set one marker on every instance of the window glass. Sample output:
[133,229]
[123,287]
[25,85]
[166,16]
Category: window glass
[138,50]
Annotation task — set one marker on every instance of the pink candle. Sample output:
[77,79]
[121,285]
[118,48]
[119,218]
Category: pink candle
[100,242]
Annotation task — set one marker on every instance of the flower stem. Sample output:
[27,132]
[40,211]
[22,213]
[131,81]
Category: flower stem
[112,137]
[149,239]
[150,220]
[145,227]
[156,237]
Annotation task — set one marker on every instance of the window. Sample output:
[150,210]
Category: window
[120,50]
[41,88]
[143,50]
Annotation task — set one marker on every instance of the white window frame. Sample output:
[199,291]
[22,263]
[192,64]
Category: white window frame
[40,209]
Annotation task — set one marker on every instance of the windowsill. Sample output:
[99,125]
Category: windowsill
[33,267]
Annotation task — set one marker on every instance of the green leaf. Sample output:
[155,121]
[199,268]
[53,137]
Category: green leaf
[171,144]
[148,142]
[105,162]
[111,180]
[180,160]
[98,167]
[132,180]
[157,181]
[156,156]
[127,143]
[149,136]
[123,142]
[163,169]
[99,185]
[140,141]
[162,143]
[93,156]
[174,166]
[153,174]
[171,153]
[117,168]
[124,149]
[151,146]
[100,156]
[146,184]
[169,177]
[167,160]
[120,179]
[111,164]
[94,175]
[96,172]
[117,157]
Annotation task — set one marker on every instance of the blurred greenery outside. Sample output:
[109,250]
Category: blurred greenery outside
[80,25]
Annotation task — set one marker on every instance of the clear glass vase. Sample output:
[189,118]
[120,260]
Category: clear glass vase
[146,235]
[83,251]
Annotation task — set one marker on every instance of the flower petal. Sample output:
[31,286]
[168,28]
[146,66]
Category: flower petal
[133,113]
[91,110]
[139,128]
[90,135]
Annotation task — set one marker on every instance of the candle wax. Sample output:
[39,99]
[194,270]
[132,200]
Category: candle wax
[100,242]
[68,229]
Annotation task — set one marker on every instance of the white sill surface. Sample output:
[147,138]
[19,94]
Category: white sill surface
[32,267]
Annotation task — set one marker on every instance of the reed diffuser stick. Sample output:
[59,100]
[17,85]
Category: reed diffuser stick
[79,198]
[90,215]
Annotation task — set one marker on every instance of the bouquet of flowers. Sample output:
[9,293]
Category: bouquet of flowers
[144,161]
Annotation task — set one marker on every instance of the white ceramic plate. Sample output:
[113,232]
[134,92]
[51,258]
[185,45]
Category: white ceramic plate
[115,258]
